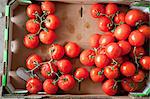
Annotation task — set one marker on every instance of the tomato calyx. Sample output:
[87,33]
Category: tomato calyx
[101,72]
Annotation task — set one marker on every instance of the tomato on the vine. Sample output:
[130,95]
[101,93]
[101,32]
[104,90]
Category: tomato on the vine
[145,62]
[144,29]
[139,76]
[48,7]
[125,46]
[106,39]
[120,18]
[139,51]
[81,74]
[94,40]
[111,9]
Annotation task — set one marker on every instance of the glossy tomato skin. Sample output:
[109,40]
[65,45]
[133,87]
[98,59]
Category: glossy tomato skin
[81,74]
[106,39]
[101,60]
[56,51]
[145,62]
[139,76]
[109,87]
[125,46]
[47,72]
[139,51]
[94,40]
[32,9]
[32,60]
[48,6]
[52,22]
[72,49]
[120,18]
[66,82]
[87,57]
[111,9]
[97,10]
[120,60]
[47,37]
[127,69]
[122,32]
[31,41]
[145,30]
[34,85]
[97,75]
[136,38]
[64,66]
[100,51]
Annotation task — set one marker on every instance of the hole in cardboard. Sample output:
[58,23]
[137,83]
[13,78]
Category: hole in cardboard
[81,12]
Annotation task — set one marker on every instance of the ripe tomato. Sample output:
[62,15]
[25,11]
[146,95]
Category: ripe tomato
[66,82]
[108,33]
[139,51]
[105,24]
[87,57]
[50,87]
[64,66]
[81,74]
[48,69]
[48,6]
[56,51]
[106,39]
[94,40]
[145,30]
[31,41]
[145,62]
[111,9]
[33,60]
[120,60]
[52,22]
[33,85]
[32,9]
[127,69]
[32,26]
[139,76]
[101,60]
[122,32]
[100,51]
[128,84]
[111,71]
[125,46]
[97,75]
[113,50]
[136,38]
[47,37]
[97,10]
[109,87]
[120,18]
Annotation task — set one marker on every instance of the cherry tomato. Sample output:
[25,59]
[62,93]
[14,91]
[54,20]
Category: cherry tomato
[145,30]
[127,69]
[139,76]
[101,60]
[94,40]
[120,60]
[136,38]
[111,9]
[47,37]
[139,51]
[120,18]
[122,32]
[145,62]
[31,41]
[87,57]
[64,66]
[50,87]
[52,22]
[34,85]
[56,51]
[66,82]
[100,51]
[48,6]
[108,33]
[113,50]
[125,46]
[32,9]
[106,39]
[48,69]
[109,87]
[97,10]
[72,49]
[97,75]
[81,74]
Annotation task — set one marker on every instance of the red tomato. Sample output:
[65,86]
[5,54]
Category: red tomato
[145,30]
[111,9]
[50,87]
[101,51]
[120,18]
[72,49]
[139,76]
[33,60]
[87,57]
[56,51]
[47,70]
[64,66]
[97,10]
[81,74]
[127,69]
[101,60]
[48,6]
[120,60]
[125,46]
[145,62]
[31,41]
[52,22]
[105,24]
[136,38]
[94,40]
[97,75]
[113,50]
[34,85]
[32,9]
[122,32]
[106,39]
[128,84]
[66,82]
[47,37]
[109,87]
[139,51]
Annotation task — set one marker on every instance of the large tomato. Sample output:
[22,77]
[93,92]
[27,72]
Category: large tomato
[111,9]
[139,51]
[94,40]
[145,62]
[144,29]
[48,6]
[139,76]
[81,74]
[125,46]
[106,39]
[120,18]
